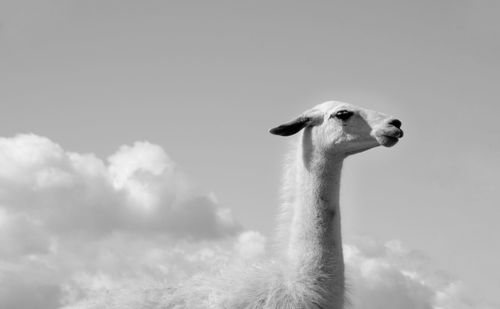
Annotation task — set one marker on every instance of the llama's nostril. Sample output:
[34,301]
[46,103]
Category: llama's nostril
[395,122]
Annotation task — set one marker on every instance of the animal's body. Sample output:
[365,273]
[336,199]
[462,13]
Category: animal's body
[308,271]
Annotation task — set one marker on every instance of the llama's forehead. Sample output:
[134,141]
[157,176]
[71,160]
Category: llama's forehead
[331,106]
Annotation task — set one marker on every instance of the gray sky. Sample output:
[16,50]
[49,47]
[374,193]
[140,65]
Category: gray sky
[206,79]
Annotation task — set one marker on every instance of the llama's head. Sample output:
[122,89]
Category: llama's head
[343,129]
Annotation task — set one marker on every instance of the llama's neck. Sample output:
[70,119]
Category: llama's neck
[314,248]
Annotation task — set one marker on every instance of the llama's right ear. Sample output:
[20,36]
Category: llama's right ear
[293,126]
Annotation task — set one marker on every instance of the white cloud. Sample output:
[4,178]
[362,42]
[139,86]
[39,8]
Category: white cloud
[251,245]
[140,189]
[66,216]
[380,276]
[76,230]
[389,276]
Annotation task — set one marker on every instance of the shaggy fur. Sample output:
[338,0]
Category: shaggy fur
[307,271]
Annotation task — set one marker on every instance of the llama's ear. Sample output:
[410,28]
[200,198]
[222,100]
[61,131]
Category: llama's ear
[294,126]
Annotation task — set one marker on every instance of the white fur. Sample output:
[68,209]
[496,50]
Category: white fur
[307,271]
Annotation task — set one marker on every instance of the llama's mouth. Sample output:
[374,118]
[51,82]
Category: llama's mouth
[388,141]
[389,138]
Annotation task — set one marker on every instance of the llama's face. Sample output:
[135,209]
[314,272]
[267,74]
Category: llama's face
[344,129]
[347,129]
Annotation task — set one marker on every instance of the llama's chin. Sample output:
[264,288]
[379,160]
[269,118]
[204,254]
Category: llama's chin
[387,141]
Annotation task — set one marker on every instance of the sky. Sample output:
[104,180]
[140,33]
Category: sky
[116,114]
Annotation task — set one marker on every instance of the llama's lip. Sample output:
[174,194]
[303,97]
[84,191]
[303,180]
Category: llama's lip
[393,136]
[388,141]
[389,137]
[398,133]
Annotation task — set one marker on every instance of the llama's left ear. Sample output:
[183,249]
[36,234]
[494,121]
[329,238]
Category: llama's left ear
[294,126]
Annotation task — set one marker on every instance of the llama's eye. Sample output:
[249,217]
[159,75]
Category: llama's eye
[343,114]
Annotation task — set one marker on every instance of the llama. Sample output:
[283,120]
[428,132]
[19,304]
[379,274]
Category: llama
[309,223]
[308,272]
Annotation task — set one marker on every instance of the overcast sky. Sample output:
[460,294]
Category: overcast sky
[203,81]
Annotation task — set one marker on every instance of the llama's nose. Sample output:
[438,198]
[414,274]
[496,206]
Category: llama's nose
[395,122]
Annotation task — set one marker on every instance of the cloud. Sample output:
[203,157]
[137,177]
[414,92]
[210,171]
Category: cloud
[140,189]
[251,245]
[390,276]
[380,276]
[68,218]
[77,231]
